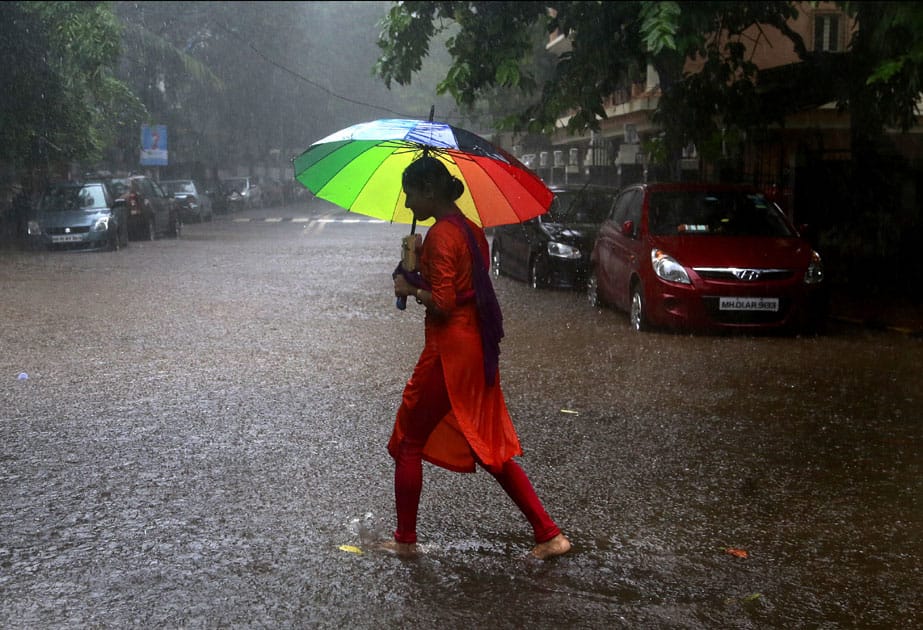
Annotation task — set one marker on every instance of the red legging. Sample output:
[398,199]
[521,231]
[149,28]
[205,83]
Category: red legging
[408,473]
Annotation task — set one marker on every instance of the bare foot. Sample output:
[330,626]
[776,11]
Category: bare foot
[557,546]
[402,550]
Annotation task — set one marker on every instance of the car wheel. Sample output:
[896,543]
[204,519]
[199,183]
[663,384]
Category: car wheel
[636,314]
[535,273]
[495,259]
[176,226]
[592,290]
[123,234]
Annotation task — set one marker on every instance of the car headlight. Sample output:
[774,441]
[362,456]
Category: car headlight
[563,250]
[666,267]
[815,272]
[101,225]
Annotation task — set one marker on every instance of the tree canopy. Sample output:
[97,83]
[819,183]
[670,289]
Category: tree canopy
[61,100]
[238,84]
[613,42]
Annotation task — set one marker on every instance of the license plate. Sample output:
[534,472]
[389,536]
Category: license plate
[748,304]
[66,238]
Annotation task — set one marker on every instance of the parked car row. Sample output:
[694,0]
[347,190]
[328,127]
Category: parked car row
[676,256]
[103,212]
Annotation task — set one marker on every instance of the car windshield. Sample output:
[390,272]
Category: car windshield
[578,206]
[235,185]
[90,198]
[730,213]
[178,187]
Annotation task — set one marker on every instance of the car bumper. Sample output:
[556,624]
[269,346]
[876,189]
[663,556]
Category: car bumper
[691,307]
[563,273]
[83,240]
[191,214]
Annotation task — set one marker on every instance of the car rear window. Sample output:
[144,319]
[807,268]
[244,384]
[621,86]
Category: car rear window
[728,213]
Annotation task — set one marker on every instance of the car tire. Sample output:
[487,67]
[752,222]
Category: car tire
[637,314]
[123,234]
[535,277]
[592,289]
[496,261]
[176,227]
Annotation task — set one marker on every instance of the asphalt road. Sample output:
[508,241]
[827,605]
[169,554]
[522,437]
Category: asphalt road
[194,436]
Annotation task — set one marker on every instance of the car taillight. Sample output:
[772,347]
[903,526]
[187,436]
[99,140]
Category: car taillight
[133,206]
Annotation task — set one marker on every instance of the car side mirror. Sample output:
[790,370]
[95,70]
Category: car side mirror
[628,229]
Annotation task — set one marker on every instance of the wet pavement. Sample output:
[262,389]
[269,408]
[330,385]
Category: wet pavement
[200,444]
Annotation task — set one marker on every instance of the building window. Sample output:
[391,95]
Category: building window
[826,33]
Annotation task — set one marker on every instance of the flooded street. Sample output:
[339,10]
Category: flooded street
[200,443]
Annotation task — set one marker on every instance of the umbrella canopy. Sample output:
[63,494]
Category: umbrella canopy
[359,168]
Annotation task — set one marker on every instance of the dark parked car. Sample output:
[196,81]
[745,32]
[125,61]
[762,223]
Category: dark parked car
[273,194]
[194,204]
[79,216]
[151,212]
[703,256]
[553,249]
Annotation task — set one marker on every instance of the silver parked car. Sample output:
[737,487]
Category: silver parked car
[194,204]
[79,216]
[243,193]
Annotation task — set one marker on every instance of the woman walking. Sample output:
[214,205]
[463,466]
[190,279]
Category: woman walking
[453,413]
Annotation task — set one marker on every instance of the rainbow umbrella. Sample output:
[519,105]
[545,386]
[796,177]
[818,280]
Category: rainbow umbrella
[359,168]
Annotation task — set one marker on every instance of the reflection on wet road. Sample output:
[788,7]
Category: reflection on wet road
[204,423]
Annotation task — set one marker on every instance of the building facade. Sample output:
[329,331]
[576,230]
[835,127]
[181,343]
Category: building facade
[811,145]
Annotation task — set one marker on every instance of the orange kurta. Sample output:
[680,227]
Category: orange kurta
[479,423]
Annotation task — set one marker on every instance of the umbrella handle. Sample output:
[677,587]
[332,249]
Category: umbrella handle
[401,302]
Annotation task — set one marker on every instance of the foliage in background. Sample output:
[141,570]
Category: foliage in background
[252,83]
[613,42]
[238,85]
[61,101]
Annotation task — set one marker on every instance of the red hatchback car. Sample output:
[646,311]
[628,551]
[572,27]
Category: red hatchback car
[705,256]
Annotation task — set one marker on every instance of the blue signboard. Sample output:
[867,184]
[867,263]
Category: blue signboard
[153,145]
